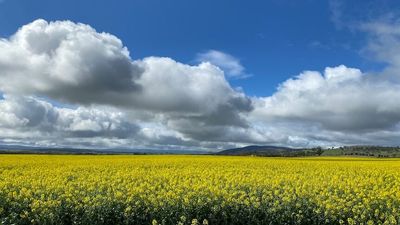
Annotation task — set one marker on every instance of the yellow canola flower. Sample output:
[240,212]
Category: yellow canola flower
[123,189]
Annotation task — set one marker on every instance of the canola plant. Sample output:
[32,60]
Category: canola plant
[51,189]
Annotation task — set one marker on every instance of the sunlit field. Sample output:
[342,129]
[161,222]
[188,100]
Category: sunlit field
[50,189]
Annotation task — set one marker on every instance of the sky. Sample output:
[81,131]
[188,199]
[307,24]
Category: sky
[201,75]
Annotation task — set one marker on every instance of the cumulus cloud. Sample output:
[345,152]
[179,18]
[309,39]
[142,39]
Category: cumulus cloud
[175,87]
[341,99]
[228,63]
[67,61]
[161,103]
[25,113]
[196,101]
[32,121]
[31,115]
[341,106]
[75,64]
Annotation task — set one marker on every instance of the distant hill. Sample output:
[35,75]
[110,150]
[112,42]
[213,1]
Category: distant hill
[364,151]
[256,150]
[269,151]
[359,150]
[20,149]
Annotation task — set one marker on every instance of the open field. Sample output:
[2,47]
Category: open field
[57,189]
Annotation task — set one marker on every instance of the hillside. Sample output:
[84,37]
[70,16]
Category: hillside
[19,149]
[271,151]
[365,151]
[359,150]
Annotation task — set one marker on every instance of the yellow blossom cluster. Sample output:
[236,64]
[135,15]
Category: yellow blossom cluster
[166,189]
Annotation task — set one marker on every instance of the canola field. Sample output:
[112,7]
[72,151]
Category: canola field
[51,189]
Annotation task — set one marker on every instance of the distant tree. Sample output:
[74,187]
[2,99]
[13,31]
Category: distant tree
[319,150]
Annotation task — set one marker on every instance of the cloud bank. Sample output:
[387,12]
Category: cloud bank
[160,103]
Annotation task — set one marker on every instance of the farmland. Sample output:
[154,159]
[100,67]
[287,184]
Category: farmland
[170,189]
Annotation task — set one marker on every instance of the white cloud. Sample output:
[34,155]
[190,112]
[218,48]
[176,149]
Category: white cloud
[170,86]
[342,99]
[66,61]
[73,63]
[161,103]
[383,43]
[29,114]
[30,121]
[228,63]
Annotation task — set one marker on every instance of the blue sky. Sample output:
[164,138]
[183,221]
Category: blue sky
[200,75]
[274,40]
